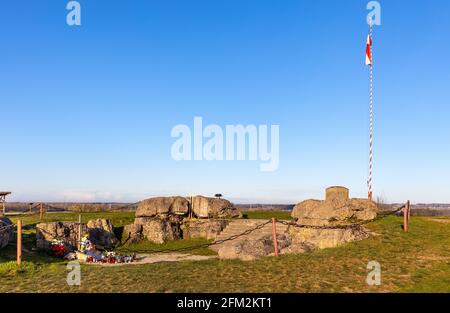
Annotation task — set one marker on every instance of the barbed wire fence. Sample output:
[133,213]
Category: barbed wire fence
[344,226]
[354,226]
[42,208]
[7,227]
[206,245]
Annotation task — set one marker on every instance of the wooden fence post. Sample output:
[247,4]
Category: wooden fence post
[274,235]
[405,218]
[19,242]
[409,210]
[41,211]
[79,232]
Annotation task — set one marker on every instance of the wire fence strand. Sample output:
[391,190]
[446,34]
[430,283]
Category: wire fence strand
[343,226]
[244,233]
[206,245]
[7,226]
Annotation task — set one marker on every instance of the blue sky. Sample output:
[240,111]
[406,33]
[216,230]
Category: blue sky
[87,112]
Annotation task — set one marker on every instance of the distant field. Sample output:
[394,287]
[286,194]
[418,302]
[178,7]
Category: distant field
[256,209]
[117,218]
[282,215]
[124,218]
[76,207]
[106,207]
[430,212]
[416,261]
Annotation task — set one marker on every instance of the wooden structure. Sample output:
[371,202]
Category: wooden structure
[19,242]
[274,236]
[406,215]
[40,207]
[3,195]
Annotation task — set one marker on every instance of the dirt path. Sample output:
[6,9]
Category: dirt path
[440,220]
[161,257]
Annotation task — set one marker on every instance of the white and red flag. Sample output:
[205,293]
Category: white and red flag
[369,50]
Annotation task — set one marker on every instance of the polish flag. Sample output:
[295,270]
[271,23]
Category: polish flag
[369,50]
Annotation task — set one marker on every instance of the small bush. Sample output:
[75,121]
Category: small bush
[11,268]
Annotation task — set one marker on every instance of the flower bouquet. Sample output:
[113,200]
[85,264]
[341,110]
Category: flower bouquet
[58,249]
[111,257]
[85,244]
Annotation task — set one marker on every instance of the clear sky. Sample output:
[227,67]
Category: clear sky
[87,112]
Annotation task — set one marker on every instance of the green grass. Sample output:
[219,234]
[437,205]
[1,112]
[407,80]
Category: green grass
[149,247]
[117,218]
[281,215]
[12,269]
[418,261]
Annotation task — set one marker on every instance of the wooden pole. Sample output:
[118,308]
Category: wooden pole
[408,204]
[274,235]
[405,218]
[19,242]
[79,232]
[41,211]
[192,207]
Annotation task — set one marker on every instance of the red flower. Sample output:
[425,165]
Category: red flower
[58,250]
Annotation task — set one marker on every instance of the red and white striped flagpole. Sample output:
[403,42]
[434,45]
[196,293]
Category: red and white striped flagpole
[369,181]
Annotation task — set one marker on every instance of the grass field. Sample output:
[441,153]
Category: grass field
[418,261]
